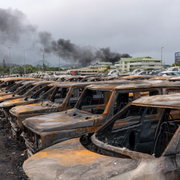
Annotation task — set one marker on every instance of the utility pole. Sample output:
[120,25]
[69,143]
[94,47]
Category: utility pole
[24,61]
[59,63]
[161,57]
[59,58]
[10,58]
[43,63]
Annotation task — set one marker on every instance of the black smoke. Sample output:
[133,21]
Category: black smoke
[13,25]
[17,32]
[74,53]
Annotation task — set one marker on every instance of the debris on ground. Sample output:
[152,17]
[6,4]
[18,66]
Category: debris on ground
[11,157]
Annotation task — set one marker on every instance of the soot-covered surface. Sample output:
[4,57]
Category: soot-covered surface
[11,157]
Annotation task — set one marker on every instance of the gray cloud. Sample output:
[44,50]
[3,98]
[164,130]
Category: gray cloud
[14,29]
[136,27]
[12,25]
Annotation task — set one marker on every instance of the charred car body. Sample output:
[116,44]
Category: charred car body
[11,89]
[96,105]
[139,142]
[63,96]
[19,92]
[8,82]
[24,95]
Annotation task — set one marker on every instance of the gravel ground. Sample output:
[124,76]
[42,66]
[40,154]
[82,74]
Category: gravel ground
[11,157]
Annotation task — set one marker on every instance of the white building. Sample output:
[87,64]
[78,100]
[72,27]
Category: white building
[129,64]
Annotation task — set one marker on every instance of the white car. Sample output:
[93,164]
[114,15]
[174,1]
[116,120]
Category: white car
[113,72]
[169,73]
[176,68]
[136,71]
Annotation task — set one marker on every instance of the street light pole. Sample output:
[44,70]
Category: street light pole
[59,64]
[59,59]
[10,58]
[24,61]
[43,62]
[161,57]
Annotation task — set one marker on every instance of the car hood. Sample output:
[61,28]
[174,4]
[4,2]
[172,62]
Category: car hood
[13,102]
[70,160]
[59,121]
[5,94]
[28,109]
[6,97]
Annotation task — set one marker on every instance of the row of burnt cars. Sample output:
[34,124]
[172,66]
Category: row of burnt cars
[116,129]
[79,78]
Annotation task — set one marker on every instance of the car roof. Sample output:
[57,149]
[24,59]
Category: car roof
[161,78]
[162,101]
[137,85]
[27,82]
[105,87]
[69,84]
[133,77]
[41,82]
[144,84]
[18,79]
[176,78]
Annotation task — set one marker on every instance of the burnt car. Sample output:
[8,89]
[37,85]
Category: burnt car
[16,87]
[8,82]
[63,96]
[19,92]
[140,142]
[95,106]
[11,89]
[24,95]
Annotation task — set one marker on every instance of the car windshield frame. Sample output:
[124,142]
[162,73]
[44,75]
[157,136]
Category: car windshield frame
[123,150]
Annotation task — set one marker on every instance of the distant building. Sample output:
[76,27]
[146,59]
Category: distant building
[129,64]
[99,67]
[105,64]
[177,57]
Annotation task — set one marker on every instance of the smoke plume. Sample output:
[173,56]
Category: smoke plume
[13,25]
[72,52]
[17,32]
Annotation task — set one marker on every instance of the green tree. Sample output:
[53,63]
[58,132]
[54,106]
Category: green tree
[18,70]
[108,67]
[177,64]
[2,70]
[53,69]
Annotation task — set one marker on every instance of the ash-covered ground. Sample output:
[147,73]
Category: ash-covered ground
[11,157]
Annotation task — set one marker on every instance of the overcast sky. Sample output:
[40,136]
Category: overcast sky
[137,27]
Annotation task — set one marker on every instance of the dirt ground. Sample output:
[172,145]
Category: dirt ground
[11,157]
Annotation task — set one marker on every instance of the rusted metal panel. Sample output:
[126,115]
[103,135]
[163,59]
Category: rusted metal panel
[19,97]
[70,160]
[169,101]
[79,164]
